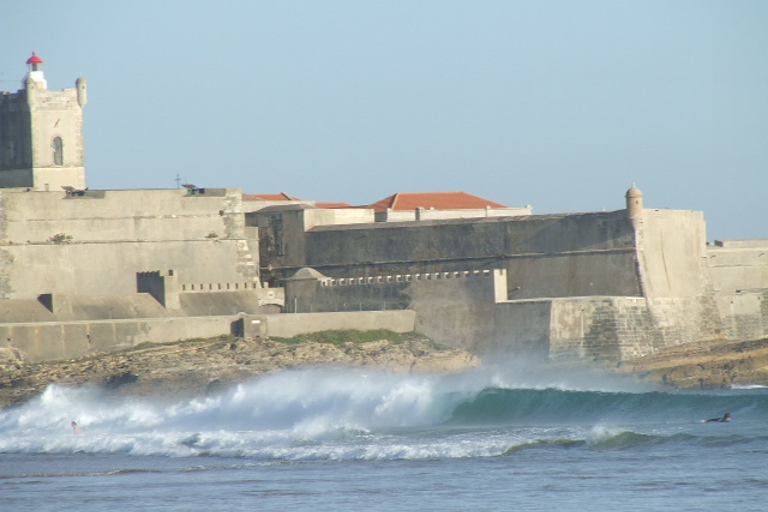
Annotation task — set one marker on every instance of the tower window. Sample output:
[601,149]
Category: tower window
[58,151]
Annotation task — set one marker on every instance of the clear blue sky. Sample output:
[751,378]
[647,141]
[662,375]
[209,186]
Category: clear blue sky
[558,104]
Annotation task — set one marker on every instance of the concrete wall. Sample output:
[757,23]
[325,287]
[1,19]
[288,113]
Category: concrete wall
[46,341]
[745,315]
[337,216]
[433,214]
[738,270]
[738,265]
[289,325]
[457,312]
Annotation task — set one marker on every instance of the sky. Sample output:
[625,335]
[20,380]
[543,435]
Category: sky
[561,105]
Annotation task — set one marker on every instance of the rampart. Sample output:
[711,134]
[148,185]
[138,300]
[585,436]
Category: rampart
[94,242]
[545,255]
[603,285]
[46,341]
[58,340]
[739,273]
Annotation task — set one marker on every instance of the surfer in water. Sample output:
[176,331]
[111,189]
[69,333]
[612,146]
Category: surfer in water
[724,419]
[75,428]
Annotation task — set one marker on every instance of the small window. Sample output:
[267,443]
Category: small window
[58,151]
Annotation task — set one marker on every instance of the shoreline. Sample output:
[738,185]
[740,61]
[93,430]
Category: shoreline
[201,367]
[190,368]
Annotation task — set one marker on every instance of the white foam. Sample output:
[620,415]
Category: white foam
[292,415]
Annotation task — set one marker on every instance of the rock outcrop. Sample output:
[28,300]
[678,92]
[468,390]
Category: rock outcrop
[711,365]
[200,367]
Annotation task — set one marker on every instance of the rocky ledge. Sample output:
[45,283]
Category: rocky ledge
[716,364]
[199,367]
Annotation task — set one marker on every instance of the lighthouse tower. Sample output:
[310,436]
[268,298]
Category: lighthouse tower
[41,134]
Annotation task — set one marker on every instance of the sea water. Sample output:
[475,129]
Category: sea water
[351,440]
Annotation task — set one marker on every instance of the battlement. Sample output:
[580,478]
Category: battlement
[405,278]
[162,285]
[218,287]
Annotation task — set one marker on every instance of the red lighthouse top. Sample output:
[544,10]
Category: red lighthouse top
[34,59]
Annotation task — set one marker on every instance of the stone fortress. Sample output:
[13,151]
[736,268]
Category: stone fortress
[85,271]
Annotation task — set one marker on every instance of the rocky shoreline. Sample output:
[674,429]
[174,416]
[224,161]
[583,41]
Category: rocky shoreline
[199,367]
[719,364]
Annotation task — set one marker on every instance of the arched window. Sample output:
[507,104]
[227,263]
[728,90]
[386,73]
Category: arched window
[58,151]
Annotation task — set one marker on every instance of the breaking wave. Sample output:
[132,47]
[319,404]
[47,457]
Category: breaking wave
[347,415]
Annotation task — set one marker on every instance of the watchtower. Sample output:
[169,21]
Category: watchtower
[41,134]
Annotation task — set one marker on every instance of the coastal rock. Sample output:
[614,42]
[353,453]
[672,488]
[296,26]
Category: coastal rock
[710,365]
[206,367]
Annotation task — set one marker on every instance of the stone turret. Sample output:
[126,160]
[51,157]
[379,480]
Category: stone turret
[82,91]
[634,198]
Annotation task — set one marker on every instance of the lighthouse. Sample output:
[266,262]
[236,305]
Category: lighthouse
[41,134]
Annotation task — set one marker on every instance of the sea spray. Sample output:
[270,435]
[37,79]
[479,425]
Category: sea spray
[324,414]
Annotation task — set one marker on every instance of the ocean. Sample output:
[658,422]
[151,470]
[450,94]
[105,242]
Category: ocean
[499,438]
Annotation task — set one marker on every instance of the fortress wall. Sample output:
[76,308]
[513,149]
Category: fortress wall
[313,297]
[95,244]
[610,272]
[521,330]
[336,216]
[441,242]
[281,235]
[547,256]
[251,302]
[738,265]
[364,293]
[682,320]
[607,328]
[131,215]
[198,287]
[429,214]
[738,270]
[68,340]
[671,249]
[110,268]
[287,326]
[452,308]
[745,315]
[455,312]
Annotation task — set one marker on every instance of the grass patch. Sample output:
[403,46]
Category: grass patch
[343,336]
[438,346]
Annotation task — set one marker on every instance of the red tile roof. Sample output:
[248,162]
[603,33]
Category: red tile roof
[282,196]
[403,201]
[335,205]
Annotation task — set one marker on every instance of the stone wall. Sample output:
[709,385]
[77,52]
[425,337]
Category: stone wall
[95,243]
[289,325]
[453,308]
[546,255]
[47,341]
[591,328]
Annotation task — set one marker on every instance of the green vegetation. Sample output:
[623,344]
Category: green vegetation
[344,336]
[60,238]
